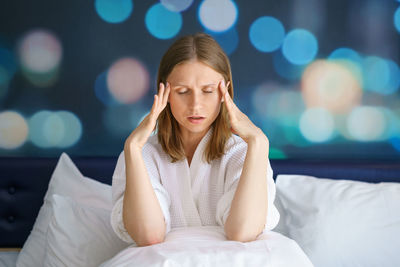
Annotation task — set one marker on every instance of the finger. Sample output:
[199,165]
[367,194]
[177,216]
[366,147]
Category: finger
[229,99]
[222,89]
[166,94]
[155,104]
[160,97]
[161,90]
[228,106]
[233,110]
[227,85]
[225,88]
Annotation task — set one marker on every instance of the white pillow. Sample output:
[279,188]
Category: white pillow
[66,180]
[207,246]
[79,235]
[341,222]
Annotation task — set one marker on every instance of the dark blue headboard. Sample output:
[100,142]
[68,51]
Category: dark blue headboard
[24,181]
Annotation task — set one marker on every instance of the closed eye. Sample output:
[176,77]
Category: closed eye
[207,92]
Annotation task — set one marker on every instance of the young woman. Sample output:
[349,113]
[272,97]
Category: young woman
[194,171]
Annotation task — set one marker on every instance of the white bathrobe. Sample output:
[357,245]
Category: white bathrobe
[198,195]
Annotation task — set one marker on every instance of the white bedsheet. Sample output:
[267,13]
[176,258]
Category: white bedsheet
[8,258]
[207,246]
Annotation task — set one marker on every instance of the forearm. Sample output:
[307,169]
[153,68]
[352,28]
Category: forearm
[247,216]
[142,214]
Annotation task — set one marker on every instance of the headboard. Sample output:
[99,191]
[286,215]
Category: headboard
[24,181]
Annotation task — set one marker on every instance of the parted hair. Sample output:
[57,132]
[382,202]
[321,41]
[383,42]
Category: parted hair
[204,48]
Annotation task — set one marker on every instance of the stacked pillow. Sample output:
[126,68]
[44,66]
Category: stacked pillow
[341,222]
[76,212]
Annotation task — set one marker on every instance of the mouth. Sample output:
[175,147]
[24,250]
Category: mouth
[196,119]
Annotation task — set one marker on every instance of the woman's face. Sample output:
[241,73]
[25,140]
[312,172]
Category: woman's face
[194,93]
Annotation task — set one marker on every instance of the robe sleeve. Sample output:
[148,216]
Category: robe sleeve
[234,168]
[118,190]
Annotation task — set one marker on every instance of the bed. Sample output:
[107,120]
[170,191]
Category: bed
[339,212]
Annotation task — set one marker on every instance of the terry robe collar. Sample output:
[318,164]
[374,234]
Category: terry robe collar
[192,179]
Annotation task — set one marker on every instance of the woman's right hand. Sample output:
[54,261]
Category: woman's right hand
[139,136]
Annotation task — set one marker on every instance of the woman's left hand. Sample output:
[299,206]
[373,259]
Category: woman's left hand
[240,123]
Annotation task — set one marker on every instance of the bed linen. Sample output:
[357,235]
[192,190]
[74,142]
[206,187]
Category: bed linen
[341,222]
[207,246]
[72,197]
[69,182]
[8,258]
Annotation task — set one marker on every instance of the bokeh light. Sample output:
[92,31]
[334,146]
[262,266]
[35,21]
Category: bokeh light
[376,74]
[394,78]
[266,34]
[60,129]
[163,23]
[366,123]
[350,59]
[42,79]
[40,51]
[285,69]
[121,120]
[72,129]
[176,5]
[128,80]
[102,91]
[331,85]
[271,129]
[275,153]
[317,125]
[36,125]
[340,121]
[13,130]
[53,129]
[345,53]
[300,46]
[279,109]
[396,19]
[218,16]
[263,94]
[228,40]
[114,11]
[395,141]
[392,128]
[281,104]
[40,54]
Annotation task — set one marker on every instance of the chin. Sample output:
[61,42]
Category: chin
[197,128]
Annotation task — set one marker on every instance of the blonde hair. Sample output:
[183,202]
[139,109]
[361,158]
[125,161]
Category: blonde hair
[204,48]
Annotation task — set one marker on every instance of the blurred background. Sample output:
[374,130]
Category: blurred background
[320,78]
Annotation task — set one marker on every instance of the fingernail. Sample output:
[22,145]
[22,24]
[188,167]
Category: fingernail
[223,83]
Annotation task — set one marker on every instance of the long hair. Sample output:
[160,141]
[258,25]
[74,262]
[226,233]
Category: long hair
[205,49]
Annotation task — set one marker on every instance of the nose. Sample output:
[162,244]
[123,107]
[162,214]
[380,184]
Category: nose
[196,100]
